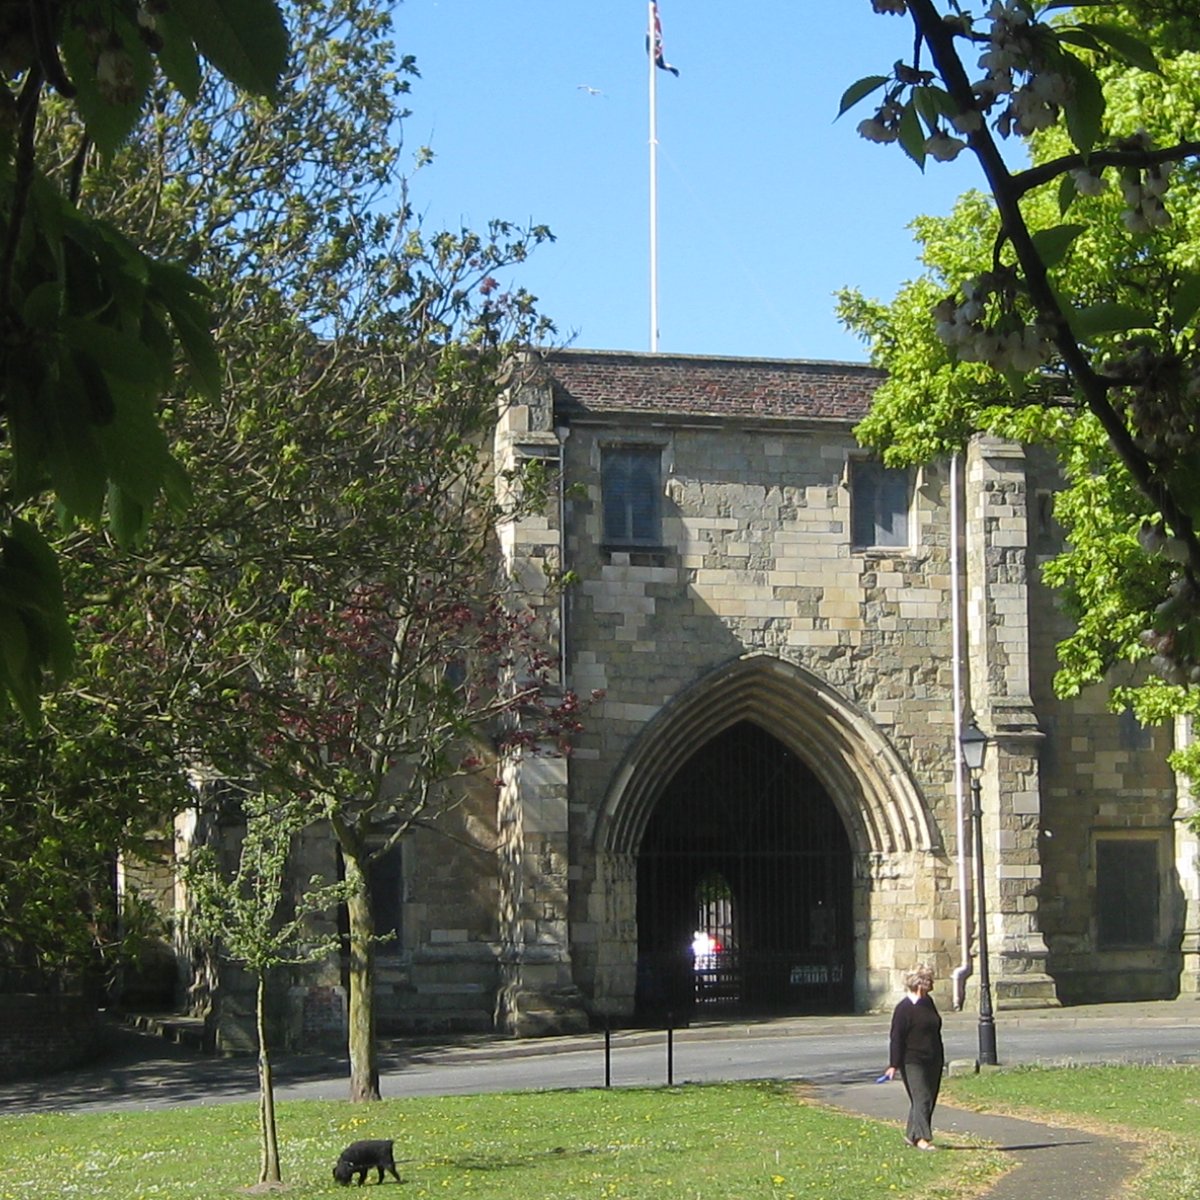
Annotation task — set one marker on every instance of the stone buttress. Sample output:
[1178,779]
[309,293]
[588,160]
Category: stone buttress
[998,663]
[537,993]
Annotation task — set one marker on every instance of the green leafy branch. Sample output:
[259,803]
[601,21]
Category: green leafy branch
[90,326]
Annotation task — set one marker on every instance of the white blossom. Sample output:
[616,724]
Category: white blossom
[967,122]
[1089,182]
[1028,348]
[946,315]
[1131,188]
[1143,191]
[1030,112]
[1008,343]
[990,89]
[115,74]
[1007,11]
[1157,180]
[1001,58]
[1050,86]
[1150,214]
[874,130]
[884,126]
[944,148]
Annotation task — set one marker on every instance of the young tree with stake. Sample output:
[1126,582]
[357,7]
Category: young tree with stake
[240,915]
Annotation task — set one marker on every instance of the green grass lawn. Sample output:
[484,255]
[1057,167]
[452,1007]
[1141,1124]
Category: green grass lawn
[711,1142]
[1160,1106]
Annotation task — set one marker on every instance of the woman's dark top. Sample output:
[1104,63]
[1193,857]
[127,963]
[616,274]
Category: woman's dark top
[916,1033]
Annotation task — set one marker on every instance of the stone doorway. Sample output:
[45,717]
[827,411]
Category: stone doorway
[744,887]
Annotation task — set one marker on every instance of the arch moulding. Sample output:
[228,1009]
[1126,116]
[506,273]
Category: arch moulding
[875,794]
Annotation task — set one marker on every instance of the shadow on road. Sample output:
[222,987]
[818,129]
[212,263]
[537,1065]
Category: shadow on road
[142,1070]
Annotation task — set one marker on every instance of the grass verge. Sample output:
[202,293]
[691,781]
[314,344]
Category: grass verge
[745,1141]
[1156,1106]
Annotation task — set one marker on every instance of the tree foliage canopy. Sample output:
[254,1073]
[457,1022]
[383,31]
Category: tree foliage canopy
[1061,305]
[92,327]
[326,617]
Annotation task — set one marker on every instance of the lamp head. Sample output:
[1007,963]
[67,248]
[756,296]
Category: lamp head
[974,743]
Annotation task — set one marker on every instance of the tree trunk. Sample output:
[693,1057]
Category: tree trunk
[266,1087]
[364,1062]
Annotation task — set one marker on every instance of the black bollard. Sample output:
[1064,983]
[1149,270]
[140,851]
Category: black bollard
[670,1049]
[607,1052]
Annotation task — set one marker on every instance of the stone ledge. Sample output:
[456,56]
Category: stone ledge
[178,1028]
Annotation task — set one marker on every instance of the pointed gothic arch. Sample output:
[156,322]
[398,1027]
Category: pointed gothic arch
[745,896]
[849,754]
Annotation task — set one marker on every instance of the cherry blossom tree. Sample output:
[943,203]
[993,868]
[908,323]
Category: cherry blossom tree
[1062,304]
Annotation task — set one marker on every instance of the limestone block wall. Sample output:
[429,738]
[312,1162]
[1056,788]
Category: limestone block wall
[1102,774]
[996,537]
[911,918]
[536,991]
[757,558]
[1187,871]
[441,973]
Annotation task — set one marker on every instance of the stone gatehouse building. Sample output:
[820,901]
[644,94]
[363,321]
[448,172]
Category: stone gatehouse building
[765,811]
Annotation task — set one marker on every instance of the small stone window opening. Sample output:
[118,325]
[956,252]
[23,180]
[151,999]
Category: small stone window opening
[387,899]
[1127,892]
[880,499]
[631,484]
[1047,533]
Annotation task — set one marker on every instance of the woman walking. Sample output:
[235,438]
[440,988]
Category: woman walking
[916,1052]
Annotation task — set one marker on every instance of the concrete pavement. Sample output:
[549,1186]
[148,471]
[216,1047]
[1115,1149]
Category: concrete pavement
[1049,1162]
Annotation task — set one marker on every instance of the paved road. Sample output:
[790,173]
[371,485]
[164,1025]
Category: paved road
[791,1053]
[145,1072]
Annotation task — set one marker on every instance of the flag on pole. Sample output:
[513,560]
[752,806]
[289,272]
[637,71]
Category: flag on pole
[659,60]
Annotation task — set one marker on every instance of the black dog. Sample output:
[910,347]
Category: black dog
[359,1157]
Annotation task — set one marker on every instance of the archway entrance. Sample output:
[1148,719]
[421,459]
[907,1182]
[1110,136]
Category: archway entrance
[744,886]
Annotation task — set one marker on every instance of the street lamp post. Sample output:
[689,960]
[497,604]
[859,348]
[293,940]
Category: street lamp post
[974,745]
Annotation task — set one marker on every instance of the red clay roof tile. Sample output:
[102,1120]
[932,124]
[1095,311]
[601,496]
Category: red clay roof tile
[602,381]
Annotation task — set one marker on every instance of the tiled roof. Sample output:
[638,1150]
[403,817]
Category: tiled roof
[611,382]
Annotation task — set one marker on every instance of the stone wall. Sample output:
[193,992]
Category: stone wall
[1102,774]
[998,619]
[40,1034]
[756,560]
[520,910]
[537,992]
[442,975]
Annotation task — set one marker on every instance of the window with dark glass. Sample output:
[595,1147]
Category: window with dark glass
[879,503]
[631,485]
[1127,888]
[387,898]
[1047,533]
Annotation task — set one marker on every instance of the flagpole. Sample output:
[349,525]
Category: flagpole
[651,60]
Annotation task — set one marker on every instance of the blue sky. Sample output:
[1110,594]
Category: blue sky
[766,205]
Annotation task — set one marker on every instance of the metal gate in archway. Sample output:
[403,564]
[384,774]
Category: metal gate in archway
[744,887]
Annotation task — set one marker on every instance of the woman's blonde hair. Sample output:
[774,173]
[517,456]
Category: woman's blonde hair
[920,976]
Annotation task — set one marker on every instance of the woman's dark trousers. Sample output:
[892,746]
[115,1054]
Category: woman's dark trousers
[922,1081]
